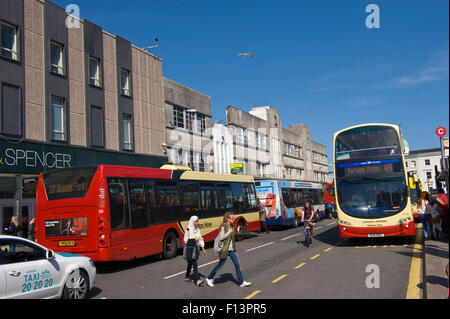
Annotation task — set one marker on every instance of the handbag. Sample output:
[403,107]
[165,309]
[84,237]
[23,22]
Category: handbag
[218,245]
[190,250]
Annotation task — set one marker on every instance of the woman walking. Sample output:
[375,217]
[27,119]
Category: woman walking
[226,235]
[424,214]
[193,240]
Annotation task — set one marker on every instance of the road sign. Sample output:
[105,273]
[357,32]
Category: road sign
[236,168]
[441,131]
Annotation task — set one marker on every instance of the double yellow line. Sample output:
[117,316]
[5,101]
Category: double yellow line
[413,291]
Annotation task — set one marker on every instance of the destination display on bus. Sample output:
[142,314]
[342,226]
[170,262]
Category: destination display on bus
[382,167]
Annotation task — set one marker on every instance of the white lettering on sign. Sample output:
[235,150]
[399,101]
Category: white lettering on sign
[15,157]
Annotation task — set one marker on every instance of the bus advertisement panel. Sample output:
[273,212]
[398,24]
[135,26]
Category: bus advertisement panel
[121,213]
[371,185]
[284,200]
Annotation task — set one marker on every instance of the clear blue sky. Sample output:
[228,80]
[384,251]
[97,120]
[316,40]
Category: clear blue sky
[315,61]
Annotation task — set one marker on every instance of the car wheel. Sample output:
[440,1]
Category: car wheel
[170,245]
[77,285]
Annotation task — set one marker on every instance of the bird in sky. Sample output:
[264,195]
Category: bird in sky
[245,55]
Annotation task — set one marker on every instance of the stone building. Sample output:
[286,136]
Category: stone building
[71,94]
[269,151]
[188,127]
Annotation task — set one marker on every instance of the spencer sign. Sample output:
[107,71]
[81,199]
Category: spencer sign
[33,158]
[28,158]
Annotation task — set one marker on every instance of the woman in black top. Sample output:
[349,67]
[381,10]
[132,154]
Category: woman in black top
[14,227]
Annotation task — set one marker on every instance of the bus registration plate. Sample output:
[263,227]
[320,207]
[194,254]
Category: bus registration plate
[376,235]
[67,243]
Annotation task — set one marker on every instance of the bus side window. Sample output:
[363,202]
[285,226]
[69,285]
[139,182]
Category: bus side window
[168,202]
[118,203]
[151,201]
[138,205]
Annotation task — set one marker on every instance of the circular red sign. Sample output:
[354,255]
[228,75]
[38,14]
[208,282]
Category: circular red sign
[441,131]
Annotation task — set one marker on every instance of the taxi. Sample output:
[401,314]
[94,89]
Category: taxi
[29,270]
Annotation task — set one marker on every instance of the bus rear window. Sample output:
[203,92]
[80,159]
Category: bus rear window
[68,183]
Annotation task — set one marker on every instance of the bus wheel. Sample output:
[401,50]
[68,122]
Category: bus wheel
[170,245]
[241,231]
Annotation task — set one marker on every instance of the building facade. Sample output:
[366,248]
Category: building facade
[426,164]
[269,151]
[70,94]
[188,126]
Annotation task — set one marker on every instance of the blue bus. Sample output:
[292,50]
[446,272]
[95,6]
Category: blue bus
[284,200]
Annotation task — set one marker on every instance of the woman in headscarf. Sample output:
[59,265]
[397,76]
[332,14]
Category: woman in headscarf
[193,241]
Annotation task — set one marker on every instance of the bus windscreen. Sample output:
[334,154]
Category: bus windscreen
[68,183]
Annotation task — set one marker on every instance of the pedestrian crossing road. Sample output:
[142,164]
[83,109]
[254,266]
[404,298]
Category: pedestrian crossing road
[279,266]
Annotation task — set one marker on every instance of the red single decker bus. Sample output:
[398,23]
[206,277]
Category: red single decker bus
[109,212]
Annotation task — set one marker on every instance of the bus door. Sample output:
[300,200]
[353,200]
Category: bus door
[119,217]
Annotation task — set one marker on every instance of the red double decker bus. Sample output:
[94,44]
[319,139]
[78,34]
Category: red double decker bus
[111,212]
[330,201]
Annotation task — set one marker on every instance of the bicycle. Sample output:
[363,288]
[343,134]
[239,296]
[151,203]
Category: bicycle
[308,236]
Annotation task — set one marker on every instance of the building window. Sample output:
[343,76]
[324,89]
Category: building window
[56,58]
[94,71]
[178,118]
[191,160]
[9,41]
[58,119]
[97,131]
[126,128]
[201,165]
[189,120]
[11,109]
[429,175]
[201,123]
[179,157]
[413,164]
[125,82]
[427,162]
[239,135]
[245,137]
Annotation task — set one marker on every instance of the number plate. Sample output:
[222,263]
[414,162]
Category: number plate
[375,235]
[67,243]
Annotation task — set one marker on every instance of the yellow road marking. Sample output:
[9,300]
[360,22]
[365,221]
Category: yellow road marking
[314,257]
[328,249]
[253,294]
[279,278]
[413,291]
[301,265]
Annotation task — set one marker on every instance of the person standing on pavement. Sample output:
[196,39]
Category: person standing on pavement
[424,214]
[14,227]
[193,241]
[262,218]
[228,250]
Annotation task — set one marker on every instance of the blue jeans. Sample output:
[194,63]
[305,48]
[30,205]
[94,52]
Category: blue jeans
[235,258]
[426,225]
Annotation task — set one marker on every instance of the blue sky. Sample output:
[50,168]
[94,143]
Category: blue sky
[315,61]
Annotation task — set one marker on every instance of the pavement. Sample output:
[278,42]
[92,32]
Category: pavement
[436,260]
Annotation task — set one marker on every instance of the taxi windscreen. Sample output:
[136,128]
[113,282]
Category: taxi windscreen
[68,183]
